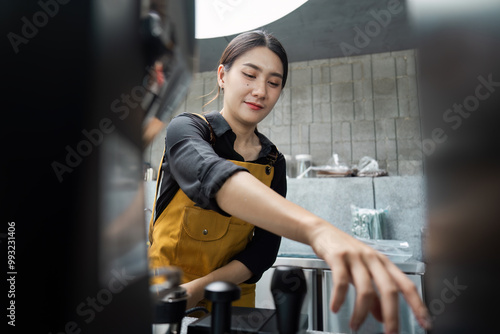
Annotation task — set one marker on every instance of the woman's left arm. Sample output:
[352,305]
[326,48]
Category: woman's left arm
[234,272]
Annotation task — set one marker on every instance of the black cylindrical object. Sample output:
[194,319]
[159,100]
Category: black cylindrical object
[221,294]
[289,288]
[170,299]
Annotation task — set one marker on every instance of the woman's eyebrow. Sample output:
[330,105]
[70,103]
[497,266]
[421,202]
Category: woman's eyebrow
[257,68]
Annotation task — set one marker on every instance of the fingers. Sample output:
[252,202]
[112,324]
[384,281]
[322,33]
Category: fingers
[390,281]
[411,295]
[377,282]
[341,279]
[366,296]
[388,291]
[376,279]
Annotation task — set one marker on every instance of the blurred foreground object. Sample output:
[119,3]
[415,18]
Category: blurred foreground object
[77,74]
[459,73]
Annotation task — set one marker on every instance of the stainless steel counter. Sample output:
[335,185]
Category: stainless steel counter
[319,284]
[408,267]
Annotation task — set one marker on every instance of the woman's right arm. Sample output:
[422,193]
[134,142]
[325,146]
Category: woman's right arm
[351,261]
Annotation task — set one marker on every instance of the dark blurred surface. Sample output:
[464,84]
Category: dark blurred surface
[72,166]
[459,81]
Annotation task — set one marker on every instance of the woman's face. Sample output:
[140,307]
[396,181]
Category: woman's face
[252,86]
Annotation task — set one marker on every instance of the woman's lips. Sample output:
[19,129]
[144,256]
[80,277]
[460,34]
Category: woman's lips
[254,106]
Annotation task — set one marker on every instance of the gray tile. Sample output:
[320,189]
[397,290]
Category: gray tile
[331,198]
[409,107]
[409,149]
[342,111]
[386,149]
[363,110]
[280,134]
[363,89]
[297,65]
[383,66]
[411,167]
[362,148]
[341,73]
[404,196]
[401,66]
[321,93]
[341,132]
[301,76]
[385,108]
[358,71]
[265,130]
[300,139]
[404,87]
[322,112]
[281,114]
[321,153]
[318,62]
[392,167]
[384,88]
[268,121]
[320,133]
[321,75]
[342,91]
[301,95]
[363,130]
[408,128]
[286,96]
[385,129]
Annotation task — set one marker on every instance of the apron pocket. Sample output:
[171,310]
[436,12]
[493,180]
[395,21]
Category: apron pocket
[204,225]
[208,240]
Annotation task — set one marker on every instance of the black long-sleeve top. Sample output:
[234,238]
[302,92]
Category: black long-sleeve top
[199,168]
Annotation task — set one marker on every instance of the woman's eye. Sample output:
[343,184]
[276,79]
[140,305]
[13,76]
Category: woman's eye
[249,75]
[274,84]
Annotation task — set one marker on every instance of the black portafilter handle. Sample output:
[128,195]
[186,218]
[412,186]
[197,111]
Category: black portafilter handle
[221,294]
[288,287]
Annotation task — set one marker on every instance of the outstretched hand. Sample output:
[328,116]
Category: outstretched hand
[376,279]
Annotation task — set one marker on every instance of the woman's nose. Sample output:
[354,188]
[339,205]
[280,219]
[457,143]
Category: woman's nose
[259,89]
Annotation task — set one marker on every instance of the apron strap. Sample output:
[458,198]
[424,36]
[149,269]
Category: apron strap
[212,134]
[158,181]
[160,174]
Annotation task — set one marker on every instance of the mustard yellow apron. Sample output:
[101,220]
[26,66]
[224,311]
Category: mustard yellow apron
[200,241]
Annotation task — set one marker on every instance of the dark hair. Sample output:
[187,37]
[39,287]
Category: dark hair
[247,41]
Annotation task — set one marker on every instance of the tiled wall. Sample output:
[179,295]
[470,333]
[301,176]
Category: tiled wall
[354,106]
[403,198]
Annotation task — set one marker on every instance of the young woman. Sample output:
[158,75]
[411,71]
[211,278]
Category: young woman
[220,198]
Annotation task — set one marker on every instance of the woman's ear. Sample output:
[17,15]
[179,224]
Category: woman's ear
[220,76]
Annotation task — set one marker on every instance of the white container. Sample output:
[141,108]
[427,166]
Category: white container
[304,161]
[149,174]
[290,166]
